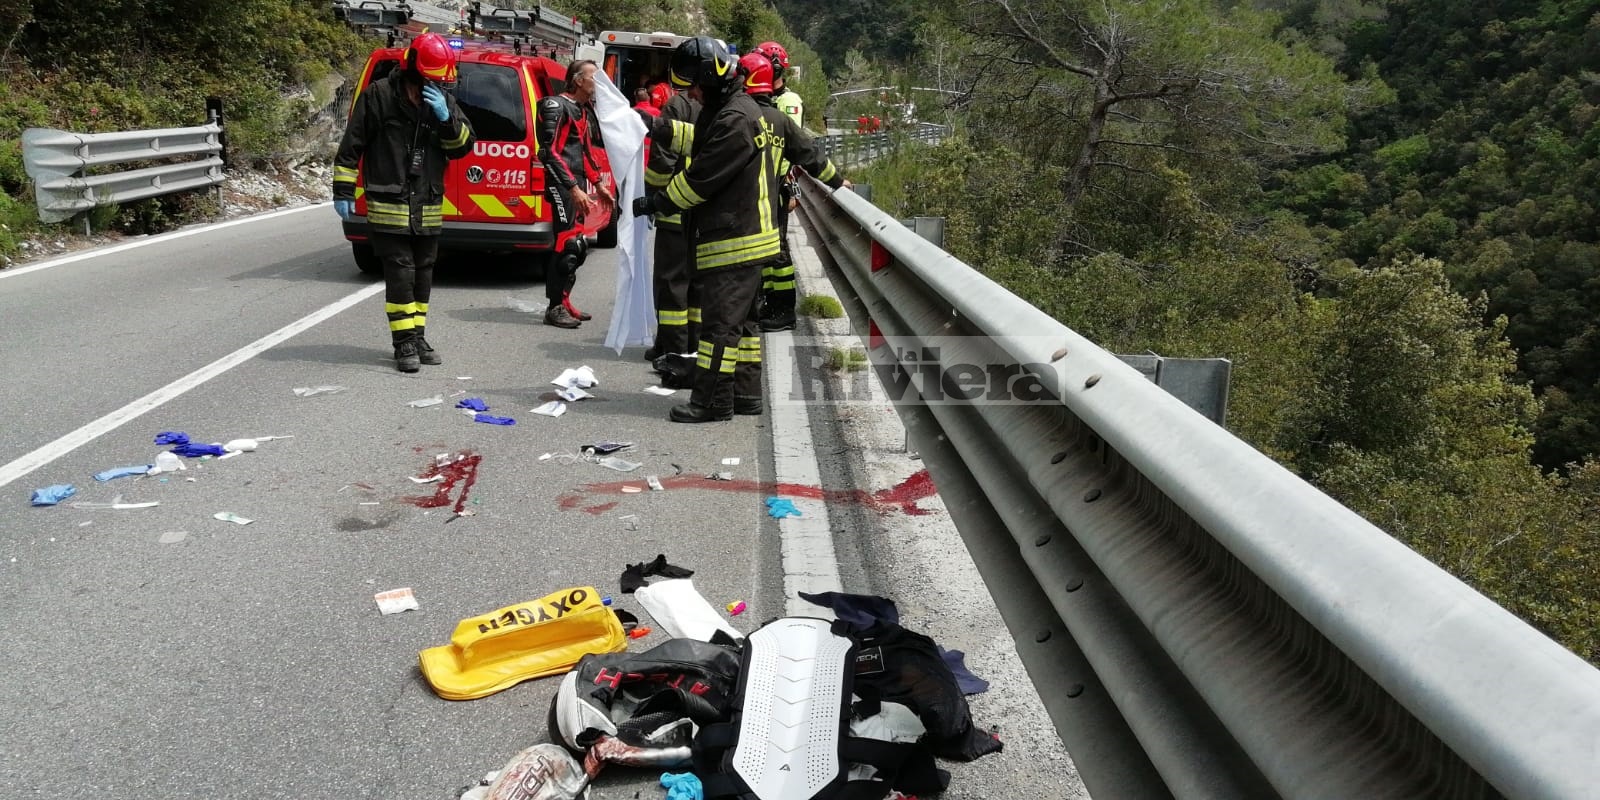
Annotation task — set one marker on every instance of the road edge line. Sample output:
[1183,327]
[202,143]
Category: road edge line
[42,456]
[85,255]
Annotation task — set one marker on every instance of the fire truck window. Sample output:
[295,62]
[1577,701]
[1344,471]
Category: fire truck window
[491,97]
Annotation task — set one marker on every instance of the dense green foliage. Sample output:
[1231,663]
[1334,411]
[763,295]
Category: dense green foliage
[1337,261]
[122,65]
[1490,161]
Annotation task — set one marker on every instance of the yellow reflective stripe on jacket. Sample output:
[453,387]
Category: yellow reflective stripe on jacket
[344,175]
[741,250]
[455,141]
[656,180]
[680,194]
[682,137]
[828,172]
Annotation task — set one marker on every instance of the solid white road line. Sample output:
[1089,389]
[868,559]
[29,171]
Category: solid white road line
[810,563]
[110,422]
[165,237]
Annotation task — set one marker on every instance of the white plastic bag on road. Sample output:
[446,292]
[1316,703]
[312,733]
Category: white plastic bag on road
[681,611]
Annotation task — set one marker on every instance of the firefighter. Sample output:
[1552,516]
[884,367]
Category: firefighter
[566,148]
[677,320]
[777,281]
[402,131]
[730,184]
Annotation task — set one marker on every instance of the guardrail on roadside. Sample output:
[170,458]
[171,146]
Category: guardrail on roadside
[1200,622]
[61,164]
[848,149]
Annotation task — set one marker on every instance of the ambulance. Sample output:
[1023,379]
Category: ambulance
[494,196]
[633,59]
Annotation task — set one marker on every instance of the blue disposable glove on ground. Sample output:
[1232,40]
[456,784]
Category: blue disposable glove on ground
[435,101]
[198,450]
[122,472]
[683,786]
[474,403]
[492,420]
[50,495]
[172,437]
[778,508]
[345,209]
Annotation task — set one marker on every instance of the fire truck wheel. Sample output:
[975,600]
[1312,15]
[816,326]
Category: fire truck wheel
[366,260]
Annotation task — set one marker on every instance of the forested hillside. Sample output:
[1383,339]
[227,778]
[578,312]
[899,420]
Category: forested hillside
[1383,212]
[1489,159]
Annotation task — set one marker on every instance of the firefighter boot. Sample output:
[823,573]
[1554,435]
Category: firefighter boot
[694,412]
[405,352]
[747,406]
[425,352]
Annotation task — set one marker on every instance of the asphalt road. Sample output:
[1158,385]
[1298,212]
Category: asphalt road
[159,653]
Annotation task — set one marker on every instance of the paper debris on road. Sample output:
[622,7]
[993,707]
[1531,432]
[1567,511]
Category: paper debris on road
[573,394]
[229,516]
[730,462]
[581,378]
[554,408]
[655,484]
[631,522]
[395,601]
[632,489]
[657,390]
[426,402]
[173,537]
[430,479]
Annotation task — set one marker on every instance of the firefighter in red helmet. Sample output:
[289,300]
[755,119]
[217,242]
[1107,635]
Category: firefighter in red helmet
[729,189]
[402,131]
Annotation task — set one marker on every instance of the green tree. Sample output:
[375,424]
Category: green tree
[1133,88]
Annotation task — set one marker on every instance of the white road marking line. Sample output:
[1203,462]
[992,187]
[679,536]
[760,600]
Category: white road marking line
[110,422]
[810,563]
[165,237]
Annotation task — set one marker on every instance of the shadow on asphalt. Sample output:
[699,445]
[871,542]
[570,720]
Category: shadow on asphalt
[332,353]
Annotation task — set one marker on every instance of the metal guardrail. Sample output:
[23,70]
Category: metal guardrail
[372,13]
[1200,622]
[59,162]
[848,149]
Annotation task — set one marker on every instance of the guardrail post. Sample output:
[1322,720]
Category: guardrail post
[214,115]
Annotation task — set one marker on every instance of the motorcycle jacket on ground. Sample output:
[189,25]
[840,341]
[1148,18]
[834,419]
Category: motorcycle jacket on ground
[665,160]
[399,151]
[732,181]
[564,143]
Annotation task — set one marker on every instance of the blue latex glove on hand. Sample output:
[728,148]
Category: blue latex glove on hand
[434,99]
[345,209]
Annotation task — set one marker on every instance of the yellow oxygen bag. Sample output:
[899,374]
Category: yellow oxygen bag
[504,647]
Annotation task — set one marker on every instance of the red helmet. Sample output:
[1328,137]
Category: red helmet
[757,70]
[432,57]
[778,55]
[660,94]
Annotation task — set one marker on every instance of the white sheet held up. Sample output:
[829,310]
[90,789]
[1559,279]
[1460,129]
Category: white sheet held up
[633,318]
